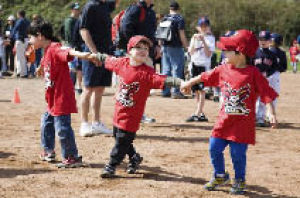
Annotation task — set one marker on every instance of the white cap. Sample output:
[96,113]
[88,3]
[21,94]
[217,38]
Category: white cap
[11,18]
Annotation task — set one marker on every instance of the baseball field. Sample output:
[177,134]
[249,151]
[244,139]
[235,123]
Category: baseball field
[176,159]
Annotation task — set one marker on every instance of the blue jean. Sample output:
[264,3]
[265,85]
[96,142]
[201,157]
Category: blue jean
[172,65]
[62,126]
[237,152]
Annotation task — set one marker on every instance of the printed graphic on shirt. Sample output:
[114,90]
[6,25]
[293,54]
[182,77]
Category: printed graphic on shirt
[126,92]
[48,82]
[234,100]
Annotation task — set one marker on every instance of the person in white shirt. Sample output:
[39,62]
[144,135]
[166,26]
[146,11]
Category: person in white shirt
[201,47]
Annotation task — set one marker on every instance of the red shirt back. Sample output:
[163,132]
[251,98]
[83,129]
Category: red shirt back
[60,94]
[134,89]
[293,53]
[240,88]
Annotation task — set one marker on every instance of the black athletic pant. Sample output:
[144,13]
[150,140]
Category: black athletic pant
[123,146]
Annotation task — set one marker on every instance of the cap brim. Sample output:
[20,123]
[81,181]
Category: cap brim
[226,44]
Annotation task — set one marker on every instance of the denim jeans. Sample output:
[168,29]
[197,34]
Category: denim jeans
[172,65]
[62,126]
[237,152]
[123,146]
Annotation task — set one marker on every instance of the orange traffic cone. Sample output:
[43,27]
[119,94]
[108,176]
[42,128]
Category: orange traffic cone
[16,99]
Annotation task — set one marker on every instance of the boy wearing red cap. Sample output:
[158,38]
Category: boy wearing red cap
[241,84]
[137,78]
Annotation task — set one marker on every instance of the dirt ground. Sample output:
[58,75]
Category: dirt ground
[176,159]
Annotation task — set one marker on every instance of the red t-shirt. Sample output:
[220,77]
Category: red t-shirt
[134,89]
[293,53]
[240,88]
[60,94]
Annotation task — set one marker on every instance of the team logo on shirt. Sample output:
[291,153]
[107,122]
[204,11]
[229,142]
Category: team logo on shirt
[234,100]
[126,92]
[48,82]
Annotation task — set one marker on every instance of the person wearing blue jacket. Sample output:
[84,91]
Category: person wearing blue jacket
[19,34]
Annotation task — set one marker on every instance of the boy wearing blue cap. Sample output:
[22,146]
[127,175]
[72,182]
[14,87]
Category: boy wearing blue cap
[201,47]
[267,63]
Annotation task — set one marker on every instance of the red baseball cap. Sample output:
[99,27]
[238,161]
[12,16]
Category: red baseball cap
[243,41]
[133,41]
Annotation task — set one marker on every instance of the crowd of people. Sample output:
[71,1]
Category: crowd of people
[248,77]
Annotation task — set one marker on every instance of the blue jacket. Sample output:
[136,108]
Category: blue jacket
[281,58]
[131,26]
[266,61]
[20,30]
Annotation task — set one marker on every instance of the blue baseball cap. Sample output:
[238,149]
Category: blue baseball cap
[203,21]
[264,35]
[298,39]
[277,38]
[75,6]
[229,33]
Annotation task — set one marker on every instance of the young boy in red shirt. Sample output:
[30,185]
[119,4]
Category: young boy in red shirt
[59,95]
[294,51]
[137,78]
[241,84]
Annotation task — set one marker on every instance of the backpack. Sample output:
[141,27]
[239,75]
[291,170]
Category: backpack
[116,24]
[164,30]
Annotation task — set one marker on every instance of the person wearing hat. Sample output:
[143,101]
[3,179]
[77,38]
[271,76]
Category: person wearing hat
[235,126]
[9,48]
[137,78]
[173,50]
[294,51]
[267,63]
[201,47]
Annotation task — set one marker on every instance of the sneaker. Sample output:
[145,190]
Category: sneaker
[71,162]
[178,96]
[99,128]
[108,171]
[46,156]
[195,118]
[85,130]
[217,181]
[134,163]
[238,187]
[146,119]
[216,99]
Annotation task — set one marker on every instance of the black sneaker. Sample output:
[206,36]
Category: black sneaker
[178,96]
[193,118]
[134,163]
[216,99]
[108,171]
[202,118]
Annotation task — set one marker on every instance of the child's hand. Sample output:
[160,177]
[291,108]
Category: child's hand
[39,71]
[273,120]
[185,87]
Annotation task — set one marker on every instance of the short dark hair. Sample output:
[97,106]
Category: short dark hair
[45,29]
[174,6]
[22,13]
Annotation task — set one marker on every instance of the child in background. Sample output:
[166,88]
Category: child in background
[241,84]
[137,78]
[3,43]
[30,55]
[60,96]
[294,51]
[201,48]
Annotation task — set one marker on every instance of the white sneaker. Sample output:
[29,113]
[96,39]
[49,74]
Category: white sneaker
[100,128]
[85,130]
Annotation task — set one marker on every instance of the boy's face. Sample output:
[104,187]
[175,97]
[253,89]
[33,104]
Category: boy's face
[264,43]
[140,52]
[35,41]
[230,57]
[202,28]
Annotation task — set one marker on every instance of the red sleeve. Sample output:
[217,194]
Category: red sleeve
[262,87]
[211,78]
[155,81]
[62,54]
[113,64]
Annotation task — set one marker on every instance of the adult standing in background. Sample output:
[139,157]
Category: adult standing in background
[19,34]
[95,29]
[9,48]
[173,51]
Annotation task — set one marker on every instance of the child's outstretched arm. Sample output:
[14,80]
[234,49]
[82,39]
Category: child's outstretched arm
[186,86]
[86,56]
[173,82]
[272,116]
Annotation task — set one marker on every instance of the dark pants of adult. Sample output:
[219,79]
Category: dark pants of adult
[123,146]
[9,58]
